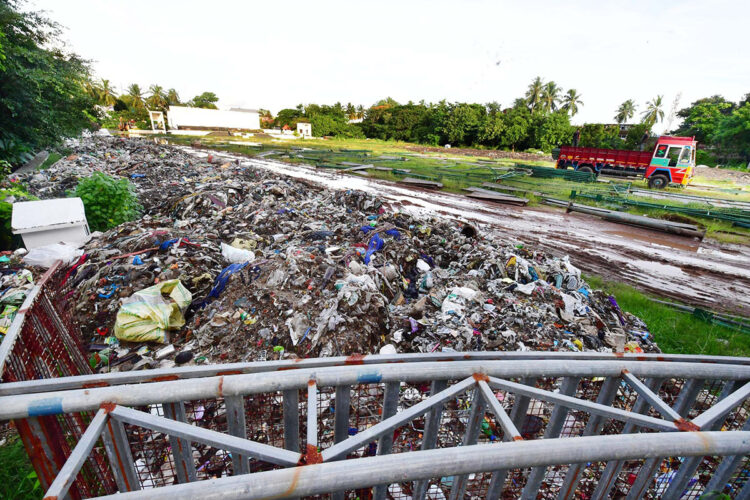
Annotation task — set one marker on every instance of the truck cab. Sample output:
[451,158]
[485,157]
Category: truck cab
[673,162]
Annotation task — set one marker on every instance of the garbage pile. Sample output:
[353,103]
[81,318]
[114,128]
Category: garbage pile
[235,263]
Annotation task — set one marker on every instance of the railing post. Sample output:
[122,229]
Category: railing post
[554,427]
[235,406]
[120,457]
[385,443]
[291,420]
[517,415]
[458,486]
[182,449]
[341,423]
[429,436]
[594,426]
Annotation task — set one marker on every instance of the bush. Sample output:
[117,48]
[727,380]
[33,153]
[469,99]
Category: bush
[108,201]
[703,157]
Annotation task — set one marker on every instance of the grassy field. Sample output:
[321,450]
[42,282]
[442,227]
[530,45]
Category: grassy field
[675,331]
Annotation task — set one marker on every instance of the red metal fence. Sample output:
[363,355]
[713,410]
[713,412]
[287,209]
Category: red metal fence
[44,342]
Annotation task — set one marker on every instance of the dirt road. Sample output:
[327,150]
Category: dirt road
[704,274]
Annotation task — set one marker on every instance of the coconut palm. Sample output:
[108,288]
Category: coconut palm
[572,101]
[550,97]
[157,98]
[625,112]
[92,89]
[360,111]
[534,94]
[173,98]
[135,96]
[653,112]
[107,93]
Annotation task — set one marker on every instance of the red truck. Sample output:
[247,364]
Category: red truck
[671,162]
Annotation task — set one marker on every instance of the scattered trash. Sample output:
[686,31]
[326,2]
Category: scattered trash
[238,263]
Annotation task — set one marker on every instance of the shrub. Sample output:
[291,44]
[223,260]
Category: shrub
[108,201]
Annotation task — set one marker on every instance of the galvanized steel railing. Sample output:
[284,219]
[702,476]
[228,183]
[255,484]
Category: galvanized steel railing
[481,428]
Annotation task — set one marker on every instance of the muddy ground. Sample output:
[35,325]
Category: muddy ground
[699,273]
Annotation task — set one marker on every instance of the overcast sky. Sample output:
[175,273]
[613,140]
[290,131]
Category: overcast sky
[276,54]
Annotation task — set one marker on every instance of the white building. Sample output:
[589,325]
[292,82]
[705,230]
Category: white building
[183,117]
[45,222]
[304,129]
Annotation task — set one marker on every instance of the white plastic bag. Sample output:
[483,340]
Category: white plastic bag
[47,255]
[235,255]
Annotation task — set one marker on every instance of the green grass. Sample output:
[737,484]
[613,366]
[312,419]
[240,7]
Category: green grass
[17,477]
[51,159]
[676,332]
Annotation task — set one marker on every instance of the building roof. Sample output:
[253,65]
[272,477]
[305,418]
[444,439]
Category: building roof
[43,215]
[245,110]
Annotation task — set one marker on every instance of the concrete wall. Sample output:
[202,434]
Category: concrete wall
[181,116]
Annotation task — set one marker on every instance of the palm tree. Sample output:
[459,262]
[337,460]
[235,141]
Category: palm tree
[135,96]
[571,101]
[157,99]
[534,94]
[92,89]
[107,93]
[550,97]
[360,111]
[653,112]
[173,98]
[625,112]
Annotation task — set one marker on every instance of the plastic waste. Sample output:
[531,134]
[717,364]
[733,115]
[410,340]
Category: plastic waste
[148,314]
[47,255]
[235,255]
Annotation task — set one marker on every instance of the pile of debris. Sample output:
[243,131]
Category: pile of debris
[235,263]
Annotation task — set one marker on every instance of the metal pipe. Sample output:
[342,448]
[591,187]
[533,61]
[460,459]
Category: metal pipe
[202,371]
[69,471]
[399,467]
[73,401]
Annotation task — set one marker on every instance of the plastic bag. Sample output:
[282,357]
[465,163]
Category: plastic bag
[235,255]
[146,315]
[47,255]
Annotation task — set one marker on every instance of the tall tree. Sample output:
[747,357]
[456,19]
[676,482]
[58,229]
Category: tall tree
[625,112]
[571,101]
[42,87]
[534,93]
[173,98]
[360,111]
[702,118]
[206,100]
[550,97]
[135,96]
[107,93]
[351,112]
[654,112]
[157,98]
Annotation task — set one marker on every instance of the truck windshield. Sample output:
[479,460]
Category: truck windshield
[674,155]
[685,157]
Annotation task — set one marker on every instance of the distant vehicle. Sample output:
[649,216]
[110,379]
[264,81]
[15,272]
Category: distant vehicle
[671,162]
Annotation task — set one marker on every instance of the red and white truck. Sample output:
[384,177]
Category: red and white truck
[671,162]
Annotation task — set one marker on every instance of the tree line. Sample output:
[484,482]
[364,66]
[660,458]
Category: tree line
[47,93]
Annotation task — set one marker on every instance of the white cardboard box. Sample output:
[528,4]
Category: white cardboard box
[45,222]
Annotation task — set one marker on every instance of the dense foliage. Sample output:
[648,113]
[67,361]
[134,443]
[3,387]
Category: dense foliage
[721,127]
[108,201]
[42,95]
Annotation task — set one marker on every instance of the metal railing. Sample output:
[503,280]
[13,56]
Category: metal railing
[477,428]
[443,425]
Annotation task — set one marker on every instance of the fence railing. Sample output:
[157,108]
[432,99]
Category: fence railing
[443,425]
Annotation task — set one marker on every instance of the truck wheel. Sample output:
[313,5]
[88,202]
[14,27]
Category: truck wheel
[658,182]
[586,169]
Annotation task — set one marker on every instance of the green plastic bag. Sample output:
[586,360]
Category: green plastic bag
[147,315]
